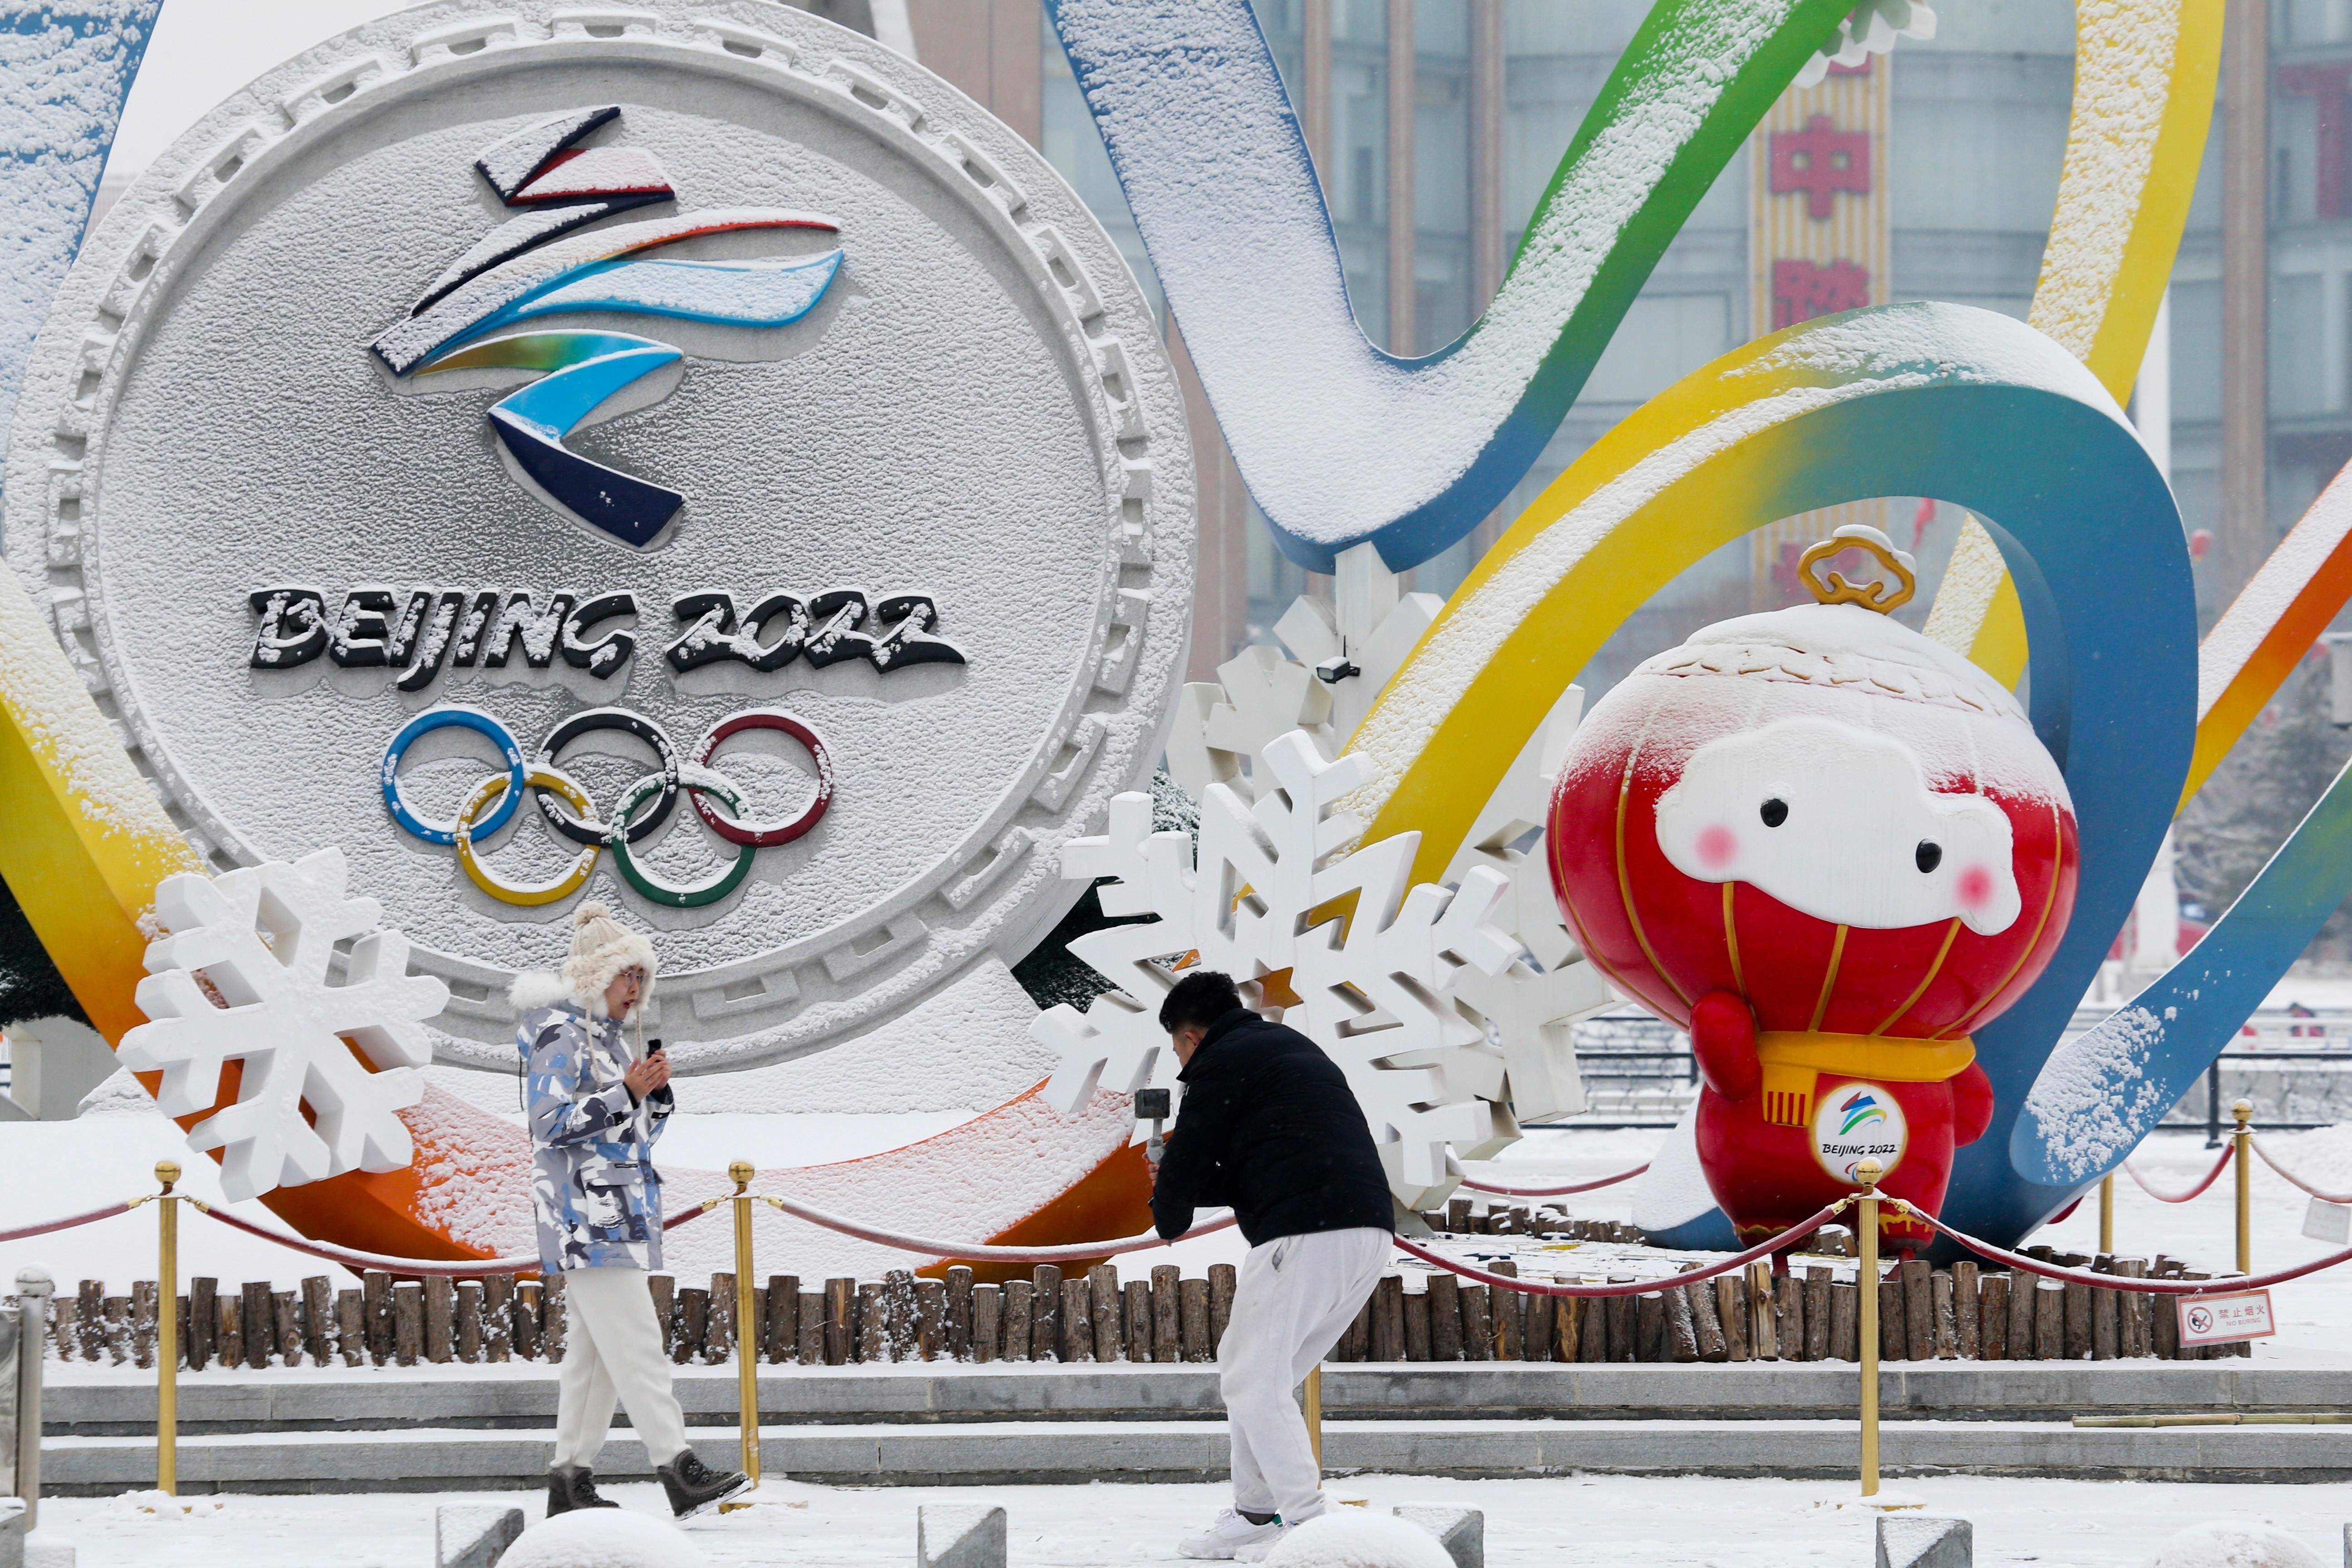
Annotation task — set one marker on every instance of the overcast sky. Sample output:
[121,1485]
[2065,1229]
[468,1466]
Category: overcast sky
[205,49]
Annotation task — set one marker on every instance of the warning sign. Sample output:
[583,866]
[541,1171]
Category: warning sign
[2224,1319]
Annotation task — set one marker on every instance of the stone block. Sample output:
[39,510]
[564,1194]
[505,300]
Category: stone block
[473,1535]
[58,1062]
[959,1535]
[12,1533]
[1461,1531]
[1916,1541]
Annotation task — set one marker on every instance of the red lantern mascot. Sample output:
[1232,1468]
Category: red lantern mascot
[1830,848]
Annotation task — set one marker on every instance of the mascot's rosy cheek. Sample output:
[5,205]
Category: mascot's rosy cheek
[1830,848]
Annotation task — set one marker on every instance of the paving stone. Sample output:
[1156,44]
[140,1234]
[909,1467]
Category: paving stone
[471,1535]
[1918,1541]
[959,1535]
[1461,1531]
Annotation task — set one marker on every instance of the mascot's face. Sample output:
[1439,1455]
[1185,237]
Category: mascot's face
[1839,823]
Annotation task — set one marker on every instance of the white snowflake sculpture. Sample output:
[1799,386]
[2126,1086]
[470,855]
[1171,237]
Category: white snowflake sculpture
[1376,992]
[243,976]
[1343,658]
[1340,661]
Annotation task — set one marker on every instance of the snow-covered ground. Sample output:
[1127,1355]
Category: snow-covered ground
[1559,1523]
[1566,1521]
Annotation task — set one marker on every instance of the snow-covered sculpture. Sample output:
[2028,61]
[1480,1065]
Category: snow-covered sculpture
[244,975]
[1532,1007]
[1376,988]
[1341,656]
[1831,850]
[1340,442]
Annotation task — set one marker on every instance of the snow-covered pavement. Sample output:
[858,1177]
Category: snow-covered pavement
[1565,1522]
[1559,1523]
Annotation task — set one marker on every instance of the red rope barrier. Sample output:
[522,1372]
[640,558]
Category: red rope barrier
[983,1250]
[439,1269]
[107,1213]
[1795,1233]
[475,1268]
[2294,1180]
[2198,1190]
[1479,1187]
[2017,1260]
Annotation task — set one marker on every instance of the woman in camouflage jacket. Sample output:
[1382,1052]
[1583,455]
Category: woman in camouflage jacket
[597,1099]
[593,1185]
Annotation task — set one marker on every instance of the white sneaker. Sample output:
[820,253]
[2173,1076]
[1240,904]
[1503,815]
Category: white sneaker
[1256,1550]
[1230,1537]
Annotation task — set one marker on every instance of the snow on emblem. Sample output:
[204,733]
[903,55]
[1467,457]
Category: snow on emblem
[243,976]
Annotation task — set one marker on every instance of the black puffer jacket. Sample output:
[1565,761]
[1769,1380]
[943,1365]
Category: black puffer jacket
[1268,1129]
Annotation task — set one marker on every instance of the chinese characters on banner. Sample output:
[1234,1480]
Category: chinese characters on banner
[1818,245]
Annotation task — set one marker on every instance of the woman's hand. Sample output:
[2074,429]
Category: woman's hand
[644,1076]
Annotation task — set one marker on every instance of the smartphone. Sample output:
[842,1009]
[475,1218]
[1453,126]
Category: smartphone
[654,1047]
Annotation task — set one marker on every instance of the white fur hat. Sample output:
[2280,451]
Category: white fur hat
[602,947]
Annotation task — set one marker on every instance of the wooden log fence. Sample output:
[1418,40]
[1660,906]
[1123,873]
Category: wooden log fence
[1966,1312]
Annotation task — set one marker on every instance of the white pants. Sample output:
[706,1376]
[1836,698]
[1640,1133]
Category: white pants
[1296,1297]
[613,1347]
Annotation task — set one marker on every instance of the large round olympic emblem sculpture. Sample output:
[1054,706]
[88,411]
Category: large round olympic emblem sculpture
[690,454]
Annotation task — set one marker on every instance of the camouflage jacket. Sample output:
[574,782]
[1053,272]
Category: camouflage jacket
[593,1185]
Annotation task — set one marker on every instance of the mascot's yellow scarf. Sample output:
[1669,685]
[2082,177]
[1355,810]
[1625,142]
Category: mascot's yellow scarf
[1794,1060]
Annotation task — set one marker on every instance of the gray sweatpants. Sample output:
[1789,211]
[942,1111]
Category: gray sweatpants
[1296,1296]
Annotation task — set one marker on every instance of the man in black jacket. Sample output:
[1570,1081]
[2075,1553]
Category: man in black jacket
[1269,1128]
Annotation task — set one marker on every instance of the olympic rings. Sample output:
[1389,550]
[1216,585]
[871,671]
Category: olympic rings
[759,835]
[563,887]
[620,718]
[700,893]
[442,718]
[491,805]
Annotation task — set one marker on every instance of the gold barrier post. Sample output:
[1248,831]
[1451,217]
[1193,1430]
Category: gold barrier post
[1311,1397]
[2107,1214]
[746,1331]
[1865,1234]
[2243,1139]
[167,1333]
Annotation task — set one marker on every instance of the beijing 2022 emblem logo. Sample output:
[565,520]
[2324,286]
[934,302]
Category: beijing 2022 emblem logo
[1858,1121]
[692,461]
[539,264]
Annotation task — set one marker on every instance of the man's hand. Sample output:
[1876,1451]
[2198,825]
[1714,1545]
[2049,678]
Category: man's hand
[644,1078]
